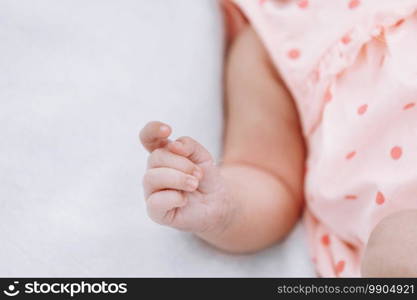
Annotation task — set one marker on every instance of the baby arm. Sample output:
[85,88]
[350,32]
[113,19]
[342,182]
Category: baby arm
[255,197]
[263,160]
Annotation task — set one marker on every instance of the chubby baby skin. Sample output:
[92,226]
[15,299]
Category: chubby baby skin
[255,196]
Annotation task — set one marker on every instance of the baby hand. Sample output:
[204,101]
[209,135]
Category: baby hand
[183,187]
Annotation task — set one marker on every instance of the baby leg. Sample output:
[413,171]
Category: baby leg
[392,247]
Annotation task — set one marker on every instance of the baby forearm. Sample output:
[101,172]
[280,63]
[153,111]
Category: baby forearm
[262,210]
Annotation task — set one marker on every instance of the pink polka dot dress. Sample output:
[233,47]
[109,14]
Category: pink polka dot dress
[351,66]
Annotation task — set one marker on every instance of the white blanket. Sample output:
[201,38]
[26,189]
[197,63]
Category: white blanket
[78,79]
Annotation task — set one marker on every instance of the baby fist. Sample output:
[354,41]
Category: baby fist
[183,187]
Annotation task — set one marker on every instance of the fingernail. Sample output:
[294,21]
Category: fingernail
[192,183]
[197,173]
[164,128]
[176,143]
[177,146]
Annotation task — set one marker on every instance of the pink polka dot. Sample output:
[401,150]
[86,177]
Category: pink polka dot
[380,199]
[409,105]
[351,197]
[354,4]
[302,3]
[350,155]
[340,267]
[396,152]
[362,109]
[325,240]
[328,96]
[399,23]
[294,54]
[346,39]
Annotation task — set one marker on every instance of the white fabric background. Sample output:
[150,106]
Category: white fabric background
[78,79]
